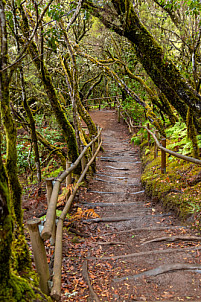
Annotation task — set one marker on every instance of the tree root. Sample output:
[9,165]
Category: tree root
[173,238]
[110,219]
[178,250]
[94,296]
[166,268]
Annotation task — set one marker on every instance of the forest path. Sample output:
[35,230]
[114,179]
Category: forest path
[123,265]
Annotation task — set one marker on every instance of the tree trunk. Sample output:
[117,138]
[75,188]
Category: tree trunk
[67,130]
[162,70]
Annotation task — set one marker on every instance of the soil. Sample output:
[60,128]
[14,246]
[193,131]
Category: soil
[121,264]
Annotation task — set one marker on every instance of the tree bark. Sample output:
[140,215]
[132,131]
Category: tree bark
[161,70]
[67,130]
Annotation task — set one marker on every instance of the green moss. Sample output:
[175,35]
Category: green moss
[18,289]
[172,189]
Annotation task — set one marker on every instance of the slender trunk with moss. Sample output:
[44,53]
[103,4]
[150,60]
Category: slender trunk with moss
[24,98]
[164,106]
[72,80]
[6,226]
[191,132]
[12,287]
[33,137]
[67,130]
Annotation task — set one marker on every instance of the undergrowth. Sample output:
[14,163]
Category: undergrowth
[175,189]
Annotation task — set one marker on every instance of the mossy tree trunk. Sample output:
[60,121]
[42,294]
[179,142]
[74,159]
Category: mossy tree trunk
[53,149]
[12,287]
[6,227]
[149,112]
[33,137]
[67,130]
[162,70]
[78,108]
[72,82]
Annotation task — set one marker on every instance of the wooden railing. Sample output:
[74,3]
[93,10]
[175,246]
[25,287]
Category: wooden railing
[100,100]
[161,145]
[51,230]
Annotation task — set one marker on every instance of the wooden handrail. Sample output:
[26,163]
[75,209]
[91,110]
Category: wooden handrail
[178,155]
[51,211]
[56,289]
[104,97]
[184,157]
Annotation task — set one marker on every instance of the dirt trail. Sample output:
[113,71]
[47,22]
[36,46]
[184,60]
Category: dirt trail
[123,264]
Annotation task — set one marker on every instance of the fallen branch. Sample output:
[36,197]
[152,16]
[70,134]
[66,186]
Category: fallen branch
[147,253]
[166,268]
[87,280]
[173,238]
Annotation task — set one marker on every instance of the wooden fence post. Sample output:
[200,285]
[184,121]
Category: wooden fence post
[69,176]
[118,114]
[148,135]
[163,157]
[83,160]
[39,254]
[155,145]
[99,138]
[141,136]
[93,146]
[49,188]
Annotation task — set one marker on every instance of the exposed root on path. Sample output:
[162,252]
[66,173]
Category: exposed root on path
[166,268]
[154,252]
[110,219]
[173,238]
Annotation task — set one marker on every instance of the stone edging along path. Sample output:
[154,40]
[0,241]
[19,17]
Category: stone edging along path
[135,251]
